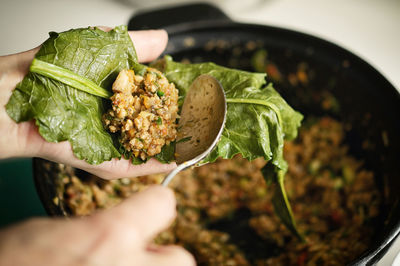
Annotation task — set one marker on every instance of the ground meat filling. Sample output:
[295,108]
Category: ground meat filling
[144,111]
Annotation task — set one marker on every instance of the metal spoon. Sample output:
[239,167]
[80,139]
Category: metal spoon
[202,122]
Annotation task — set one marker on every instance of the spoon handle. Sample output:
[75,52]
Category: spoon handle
[171,175]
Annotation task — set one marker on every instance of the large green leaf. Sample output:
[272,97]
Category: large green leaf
[258,118]
[258,121]
[65,113]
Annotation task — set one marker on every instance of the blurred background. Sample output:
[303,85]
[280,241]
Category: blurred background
[368,28]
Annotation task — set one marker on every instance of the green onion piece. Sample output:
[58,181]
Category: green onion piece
[159,121]
[68,78]
[184,139]
[160,93]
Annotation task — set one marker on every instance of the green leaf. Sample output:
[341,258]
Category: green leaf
[167,154]
[257,123]
[258,118]
[279,198]
[63,112]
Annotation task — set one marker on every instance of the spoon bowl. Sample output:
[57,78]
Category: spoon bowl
[201,123]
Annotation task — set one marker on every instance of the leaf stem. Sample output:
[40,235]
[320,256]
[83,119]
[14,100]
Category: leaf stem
[68,77]
[260,102]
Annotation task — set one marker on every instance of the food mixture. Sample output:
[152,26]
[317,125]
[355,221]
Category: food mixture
[225,214]
[144,111]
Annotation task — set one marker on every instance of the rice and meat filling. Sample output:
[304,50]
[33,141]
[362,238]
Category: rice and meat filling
[334,201]
[144,111]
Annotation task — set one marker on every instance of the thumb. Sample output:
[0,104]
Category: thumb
[145,213]
[120,235]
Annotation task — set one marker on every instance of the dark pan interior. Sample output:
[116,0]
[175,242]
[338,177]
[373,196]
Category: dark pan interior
[368,102]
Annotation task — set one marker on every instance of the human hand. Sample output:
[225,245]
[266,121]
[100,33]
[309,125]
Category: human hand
[24,140]
[118,236]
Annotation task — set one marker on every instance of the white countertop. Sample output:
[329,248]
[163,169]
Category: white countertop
[368,28]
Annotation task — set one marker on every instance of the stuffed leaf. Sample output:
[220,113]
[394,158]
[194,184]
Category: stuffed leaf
[65,113]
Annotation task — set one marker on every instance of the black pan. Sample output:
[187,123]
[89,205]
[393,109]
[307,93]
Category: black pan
[368,102]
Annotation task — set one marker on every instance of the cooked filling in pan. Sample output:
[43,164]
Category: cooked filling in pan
[225,213]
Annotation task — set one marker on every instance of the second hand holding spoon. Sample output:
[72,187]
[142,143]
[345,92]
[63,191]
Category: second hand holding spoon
[202,121]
